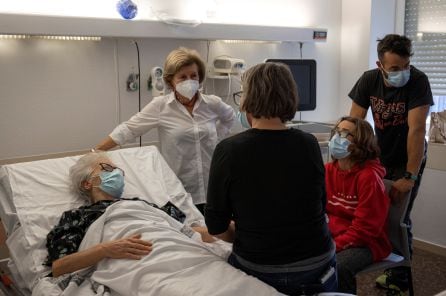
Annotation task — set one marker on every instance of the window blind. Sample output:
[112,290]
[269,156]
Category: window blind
[425,25]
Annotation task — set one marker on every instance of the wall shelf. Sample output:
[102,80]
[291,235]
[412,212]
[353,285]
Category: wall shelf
[82,26]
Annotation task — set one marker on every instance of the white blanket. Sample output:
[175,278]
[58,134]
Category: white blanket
[177,265]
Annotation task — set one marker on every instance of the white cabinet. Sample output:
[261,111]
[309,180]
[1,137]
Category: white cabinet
[428,213]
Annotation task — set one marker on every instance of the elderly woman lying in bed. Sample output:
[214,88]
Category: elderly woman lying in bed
[96,178]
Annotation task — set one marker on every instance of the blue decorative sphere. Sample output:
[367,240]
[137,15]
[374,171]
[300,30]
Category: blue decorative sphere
[127,9]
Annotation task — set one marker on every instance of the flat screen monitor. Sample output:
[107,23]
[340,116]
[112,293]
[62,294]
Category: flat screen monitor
[304,73]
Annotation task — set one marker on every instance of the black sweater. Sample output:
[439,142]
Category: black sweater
[271,183]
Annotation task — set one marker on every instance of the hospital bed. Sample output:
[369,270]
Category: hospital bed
[33,195]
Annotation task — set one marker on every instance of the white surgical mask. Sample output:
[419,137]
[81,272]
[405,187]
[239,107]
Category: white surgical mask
[187,88]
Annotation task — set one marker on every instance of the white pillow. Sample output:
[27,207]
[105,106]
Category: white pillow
[40,192]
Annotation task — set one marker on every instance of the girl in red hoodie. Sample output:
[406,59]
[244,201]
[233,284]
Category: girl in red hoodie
[357,204]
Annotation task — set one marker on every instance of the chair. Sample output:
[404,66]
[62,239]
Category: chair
[397,230]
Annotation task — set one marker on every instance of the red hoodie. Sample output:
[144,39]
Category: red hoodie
[357,206]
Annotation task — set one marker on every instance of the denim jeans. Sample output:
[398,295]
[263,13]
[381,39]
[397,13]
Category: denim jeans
[296,283]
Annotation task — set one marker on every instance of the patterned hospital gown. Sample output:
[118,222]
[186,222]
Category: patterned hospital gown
[66,237]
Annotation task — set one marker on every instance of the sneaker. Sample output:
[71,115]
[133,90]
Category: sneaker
[395,291]
[381,281]
[393,283]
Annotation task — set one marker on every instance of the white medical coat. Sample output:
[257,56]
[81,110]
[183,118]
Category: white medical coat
[187,142]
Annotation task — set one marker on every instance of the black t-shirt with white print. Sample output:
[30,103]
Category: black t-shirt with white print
[390,107]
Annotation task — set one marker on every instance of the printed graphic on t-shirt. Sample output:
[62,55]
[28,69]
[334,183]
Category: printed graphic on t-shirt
[388,114]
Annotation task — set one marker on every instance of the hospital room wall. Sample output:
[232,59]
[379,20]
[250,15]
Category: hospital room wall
[61,96]
[363,22]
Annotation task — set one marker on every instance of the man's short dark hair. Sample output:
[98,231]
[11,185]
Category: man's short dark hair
[401,45]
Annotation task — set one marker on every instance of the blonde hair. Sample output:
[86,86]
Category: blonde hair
[179,58]
[82,169]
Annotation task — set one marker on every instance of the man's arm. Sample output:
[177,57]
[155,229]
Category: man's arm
[357,111]
[416,137]
[129,248]
[415,145]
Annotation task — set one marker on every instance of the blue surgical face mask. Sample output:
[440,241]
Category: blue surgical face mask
[112,182]
[339,146]
[241,116]
[397,78]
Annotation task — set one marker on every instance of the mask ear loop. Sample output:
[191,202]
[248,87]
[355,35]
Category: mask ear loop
[383,72]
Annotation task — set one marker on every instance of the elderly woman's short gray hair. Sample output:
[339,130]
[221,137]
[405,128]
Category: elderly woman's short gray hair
[82,169]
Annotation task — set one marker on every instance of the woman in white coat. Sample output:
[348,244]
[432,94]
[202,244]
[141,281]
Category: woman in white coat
[189,123]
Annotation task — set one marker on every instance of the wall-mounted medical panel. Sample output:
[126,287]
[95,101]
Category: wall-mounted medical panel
[81,26]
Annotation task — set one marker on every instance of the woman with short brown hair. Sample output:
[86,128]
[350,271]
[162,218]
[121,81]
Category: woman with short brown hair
[266,191]
[268,93]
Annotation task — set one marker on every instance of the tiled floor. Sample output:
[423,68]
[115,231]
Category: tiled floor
[429,276]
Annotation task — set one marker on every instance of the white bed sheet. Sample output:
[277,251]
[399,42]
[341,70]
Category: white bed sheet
[177,265]
[8,212]
[39,193]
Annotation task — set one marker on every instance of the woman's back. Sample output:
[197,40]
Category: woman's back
[273,183]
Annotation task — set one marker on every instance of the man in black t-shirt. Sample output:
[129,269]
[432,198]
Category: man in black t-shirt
[399,96]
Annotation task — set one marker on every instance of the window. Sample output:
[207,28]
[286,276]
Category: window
[425,24]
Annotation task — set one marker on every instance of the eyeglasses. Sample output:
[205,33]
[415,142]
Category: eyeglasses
[109,168]
[341,132]
[407,67]
[236,97]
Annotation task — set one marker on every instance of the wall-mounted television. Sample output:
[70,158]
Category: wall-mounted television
[304,73]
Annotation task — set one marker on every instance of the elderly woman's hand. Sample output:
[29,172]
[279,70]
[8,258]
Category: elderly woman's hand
[132,247]
[205,236]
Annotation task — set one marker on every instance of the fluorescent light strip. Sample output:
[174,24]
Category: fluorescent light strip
[249,41]
[14,36]
[68,38]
